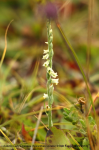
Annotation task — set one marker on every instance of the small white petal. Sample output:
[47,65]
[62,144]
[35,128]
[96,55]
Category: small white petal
[46,42]
[51,87]
[45,96]
[47,106]
[51,38]
[46,51]
[46,63]
[56,81]
[46,56]
[50,31]
[49,69]
[51,72]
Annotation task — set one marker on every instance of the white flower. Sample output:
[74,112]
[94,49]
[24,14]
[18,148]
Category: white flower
[46,56]
[46,63]
[47,107]
[55,81]
[46,51]
[51,72]
[51,87]
[49,69]
[50,31]
[51,38]
[45,96]
[46,42]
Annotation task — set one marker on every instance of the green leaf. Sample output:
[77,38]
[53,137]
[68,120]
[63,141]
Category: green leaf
[71,115]
[75,138]
[86,145]
[57,140]
[82,131]
[68,119]
[67,110]
[78,136]
[91,120]
[82,123]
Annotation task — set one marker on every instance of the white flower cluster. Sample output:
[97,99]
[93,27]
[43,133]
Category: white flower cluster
[49,70]
[48,54]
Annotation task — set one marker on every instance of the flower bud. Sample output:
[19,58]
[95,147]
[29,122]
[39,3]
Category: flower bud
[51,11]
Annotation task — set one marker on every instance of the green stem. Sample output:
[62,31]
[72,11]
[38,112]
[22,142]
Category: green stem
[49,90]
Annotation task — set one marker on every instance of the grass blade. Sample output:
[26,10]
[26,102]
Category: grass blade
[78,63]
